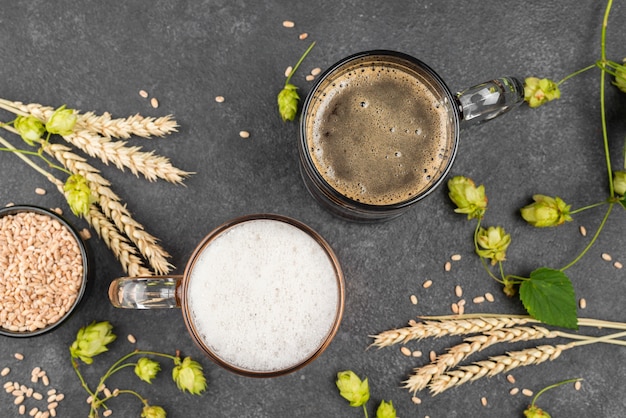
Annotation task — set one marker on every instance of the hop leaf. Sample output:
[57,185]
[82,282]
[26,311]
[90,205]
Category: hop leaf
[548,295]
[91,341]
[468,198]
[619,182]
[147,369]
[288,102]
[351,387]
[78,194]
[386,410]
[493,242]
[153,411]
[546,211]
[30,128]
[62,121]
[540,91]
[188,376]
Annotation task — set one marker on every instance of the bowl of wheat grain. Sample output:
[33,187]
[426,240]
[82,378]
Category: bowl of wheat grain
[43,270]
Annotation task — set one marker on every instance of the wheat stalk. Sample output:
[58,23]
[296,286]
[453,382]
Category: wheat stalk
[152,166]
[440,328]
[473,344]
[495,365]
[112,207]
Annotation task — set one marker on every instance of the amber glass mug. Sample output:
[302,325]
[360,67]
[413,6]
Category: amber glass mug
[262,295]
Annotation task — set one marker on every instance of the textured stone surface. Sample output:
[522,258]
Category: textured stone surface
[96,56]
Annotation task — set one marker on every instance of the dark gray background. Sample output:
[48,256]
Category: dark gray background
[97,55]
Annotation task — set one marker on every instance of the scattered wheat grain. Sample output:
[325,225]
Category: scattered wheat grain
[478,299]
[288,71]
[33,411]
[406,351]
[578,385]
[583,231]
[489,297]
[483,401]
[85,234]
[219,99]
[432,355]
[606,257]
[22,409]
[427,284]
[309,77]
[303,36]
[107,413]
[617,265]
[19,356]
[288,24]
[315,71]
[447,266]
[45,380]
[527,392]
[5,371]
[514,391]
[37,395]
[143,94]
[461,309]
[455,308]
[40,191]
[154,102]
[58,211]
[416,400]
[414,299]
[582,303]
[244,134]
[416,353]
[18,399]
[455,257]
[510,378]
[458,291]
[131,339]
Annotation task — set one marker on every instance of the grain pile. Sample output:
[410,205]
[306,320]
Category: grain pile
[41,271]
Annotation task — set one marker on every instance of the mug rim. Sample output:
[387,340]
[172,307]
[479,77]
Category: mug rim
[328,191]
[217,232]
[11,210]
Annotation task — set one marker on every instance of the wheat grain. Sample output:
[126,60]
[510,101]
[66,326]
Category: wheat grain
[495,365]
[440,328]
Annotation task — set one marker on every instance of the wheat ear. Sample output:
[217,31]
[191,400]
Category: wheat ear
[440,328]
[422,376]
[112,207]
[495,365]
[152,166]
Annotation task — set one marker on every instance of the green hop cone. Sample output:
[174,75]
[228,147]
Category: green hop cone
[468,198]
[535,412]
[147,369]
[188,376]
[386,410]
[493,243]
[619,182]
[540,91]
[546,211]
[288,102]
[153,411]
[62,121]
[91,341]
[352,388]
[620,77]
[30,128]
[78,194]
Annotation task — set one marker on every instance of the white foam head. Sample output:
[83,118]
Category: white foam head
[264,296]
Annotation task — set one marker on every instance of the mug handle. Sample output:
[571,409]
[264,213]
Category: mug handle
[149,292]
[485,101]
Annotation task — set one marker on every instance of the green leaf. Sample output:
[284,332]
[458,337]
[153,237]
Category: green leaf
[548,295]
[623,201]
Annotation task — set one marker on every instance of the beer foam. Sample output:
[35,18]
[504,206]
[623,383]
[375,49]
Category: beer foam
[264,295]
[379,133]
